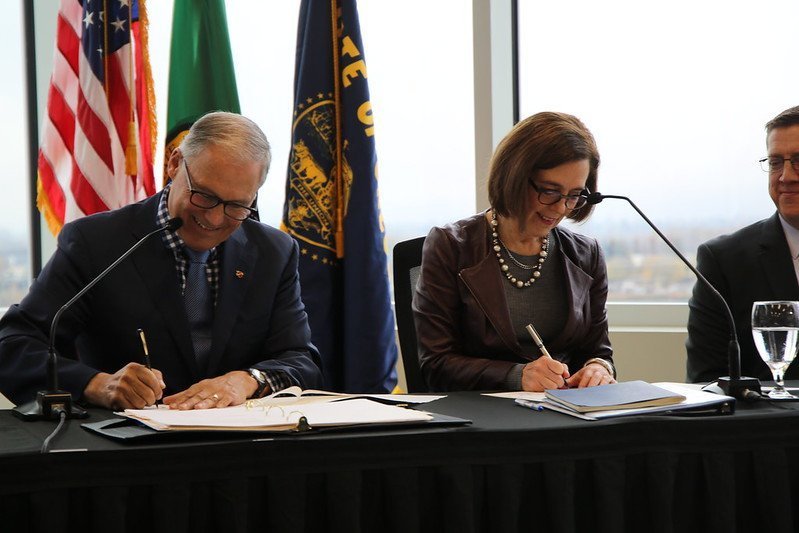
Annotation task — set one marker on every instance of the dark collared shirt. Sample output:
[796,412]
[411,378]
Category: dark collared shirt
[277,380]
[174,243]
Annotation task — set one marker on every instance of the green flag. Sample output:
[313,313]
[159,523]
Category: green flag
[201,73]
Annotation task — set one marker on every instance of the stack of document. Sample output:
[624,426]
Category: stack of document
[625,395]
[626,399]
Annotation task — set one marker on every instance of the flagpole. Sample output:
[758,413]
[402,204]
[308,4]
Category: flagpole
[131,167]
[337,107]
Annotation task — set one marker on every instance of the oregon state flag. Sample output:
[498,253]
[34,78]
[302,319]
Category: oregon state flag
[332,207]
[201,74]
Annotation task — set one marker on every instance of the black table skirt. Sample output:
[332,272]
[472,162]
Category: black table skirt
[511,470]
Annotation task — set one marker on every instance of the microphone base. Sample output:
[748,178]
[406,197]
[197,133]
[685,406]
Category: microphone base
[48,406]
[739,388]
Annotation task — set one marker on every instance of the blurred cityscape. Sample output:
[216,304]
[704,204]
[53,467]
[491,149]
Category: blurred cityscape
[640,266]
[15,275]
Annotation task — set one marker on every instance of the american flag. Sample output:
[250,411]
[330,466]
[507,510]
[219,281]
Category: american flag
[98,136]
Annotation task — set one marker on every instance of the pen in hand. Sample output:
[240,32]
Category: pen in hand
[536,339]
[540,343]
[144,348]
[146,352]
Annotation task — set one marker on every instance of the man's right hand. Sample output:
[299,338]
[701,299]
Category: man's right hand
[133,386]
[544,373]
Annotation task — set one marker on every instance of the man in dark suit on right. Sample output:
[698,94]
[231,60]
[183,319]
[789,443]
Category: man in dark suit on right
[758,262]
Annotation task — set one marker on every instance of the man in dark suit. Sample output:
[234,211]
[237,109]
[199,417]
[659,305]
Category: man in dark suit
[218,300]
[758,262]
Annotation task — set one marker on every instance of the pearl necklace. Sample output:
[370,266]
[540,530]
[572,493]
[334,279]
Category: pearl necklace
[498,245]
[513,257]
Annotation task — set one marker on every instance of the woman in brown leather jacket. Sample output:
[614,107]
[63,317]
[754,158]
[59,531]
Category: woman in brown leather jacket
[485,278]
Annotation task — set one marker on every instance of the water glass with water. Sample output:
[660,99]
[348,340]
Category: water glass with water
[775,328]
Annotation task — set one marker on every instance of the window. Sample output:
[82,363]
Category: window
[421,94]
[15,269]
[677,95]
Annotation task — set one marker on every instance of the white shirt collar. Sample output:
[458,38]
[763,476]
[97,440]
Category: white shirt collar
[792,236]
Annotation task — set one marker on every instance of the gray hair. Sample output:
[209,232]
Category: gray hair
[235,133]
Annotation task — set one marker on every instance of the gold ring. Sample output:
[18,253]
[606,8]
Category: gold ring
[215,396]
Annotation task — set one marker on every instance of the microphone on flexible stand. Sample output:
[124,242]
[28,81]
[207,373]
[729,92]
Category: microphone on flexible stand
[744,388]
[51,403]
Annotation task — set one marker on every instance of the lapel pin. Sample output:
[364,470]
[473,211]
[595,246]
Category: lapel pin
[239,274]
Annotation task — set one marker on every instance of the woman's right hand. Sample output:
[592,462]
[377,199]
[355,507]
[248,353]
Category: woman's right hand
[544,373]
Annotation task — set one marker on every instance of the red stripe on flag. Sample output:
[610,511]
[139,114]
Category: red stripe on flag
[51,187]
[62,118]
[95,131]
[85,195]
[119,100]
[68,43]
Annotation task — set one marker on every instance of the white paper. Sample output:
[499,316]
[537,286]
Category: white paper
[525,395]
[295,394]
[350,412]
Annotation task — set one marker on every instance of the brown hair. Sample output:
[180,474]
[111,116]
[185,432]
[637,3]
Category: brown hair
[789,117]
[542,141]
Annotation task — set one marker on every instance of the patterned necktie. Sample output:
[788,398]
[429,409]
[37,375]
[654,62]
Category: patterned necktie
[199,305]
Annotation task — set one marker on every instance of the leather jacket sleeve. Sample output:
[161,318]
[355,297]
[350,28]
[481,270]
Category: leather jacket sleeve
[447,359]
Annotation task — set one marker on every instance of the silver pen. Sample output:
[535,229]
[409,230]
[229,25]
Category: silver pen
[537,339]
[538,342]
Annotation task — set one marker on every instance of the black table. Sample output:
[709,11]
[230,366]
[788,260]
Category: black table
[513,469]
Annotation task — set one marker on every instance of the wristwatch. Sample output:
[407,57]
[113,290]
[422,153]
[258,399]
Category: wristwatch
[260,377]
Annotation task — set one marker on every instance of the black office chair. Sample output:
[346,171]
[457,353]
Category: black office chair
[407,264]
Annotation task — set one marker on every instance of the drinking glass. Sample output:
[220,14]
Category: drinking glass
[775,328]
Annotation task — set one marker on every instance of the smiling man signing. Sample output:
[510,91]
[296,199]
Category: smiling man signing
[219,299]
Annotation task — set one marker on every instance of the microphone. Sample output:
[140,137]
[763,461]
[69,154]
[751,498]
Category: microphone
[51,403]
[743,388]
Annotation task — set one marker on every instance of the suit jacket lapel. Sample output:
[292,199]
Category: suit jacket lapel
[576,281]
[485,283]
[235,277]
[156,267]
[776,261]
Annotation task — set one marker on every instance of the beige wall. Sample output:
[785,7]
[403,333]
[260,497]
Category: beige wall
[649,355]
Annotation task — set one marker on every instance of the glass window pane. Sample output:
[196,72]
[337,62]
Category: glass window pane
[15,269]
[422,91]
[677,96]
[421,97]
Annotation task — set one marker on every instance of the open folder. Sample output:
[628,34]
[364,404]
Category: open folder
[266,417]
[276,417]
